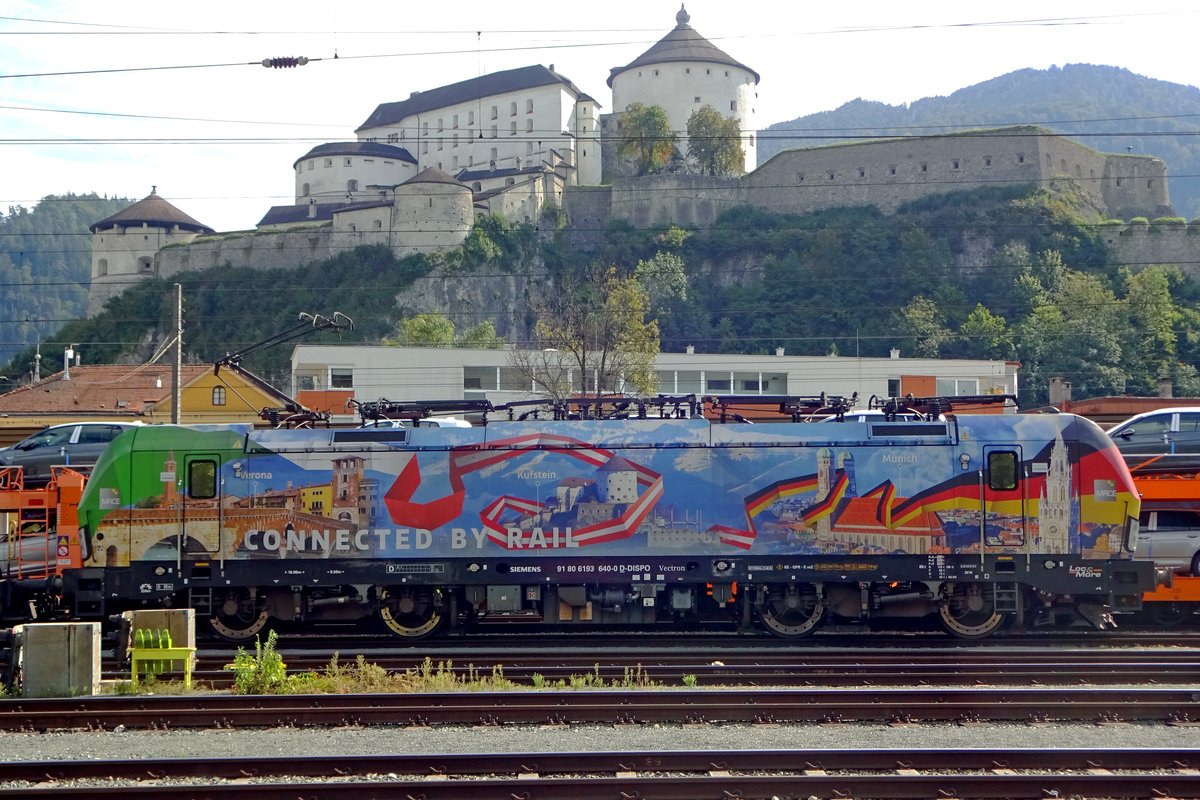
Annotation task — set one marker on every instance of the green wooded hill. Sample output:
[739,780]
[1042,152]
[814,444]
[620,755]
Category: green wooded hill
[46,261]
[1107,108]
[1014,273]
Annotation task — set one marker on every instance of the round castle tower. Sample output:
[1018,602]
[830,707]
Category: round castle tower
[124,245]
[432,211]
[684,72]
[349,171]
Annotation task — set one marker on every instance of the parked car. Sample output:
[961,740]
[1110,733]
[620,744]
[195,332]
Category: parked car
[1170,434]
[1171,538]
[74,444]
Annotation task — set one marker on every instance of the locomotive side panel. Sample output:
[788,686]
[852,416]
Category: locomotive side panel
[618,520]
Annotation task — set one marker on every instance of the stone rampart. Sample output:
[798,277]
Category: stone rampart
[254,249]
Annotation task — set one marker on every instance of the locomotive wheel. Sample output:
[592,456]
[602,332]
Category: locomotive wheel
[239,615]
[969,610]
[410,612]
[1169,614]
[791,610]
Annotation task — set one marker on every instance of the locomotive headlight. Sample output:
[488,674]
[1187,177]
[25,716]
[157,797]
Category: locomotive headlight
[964,461]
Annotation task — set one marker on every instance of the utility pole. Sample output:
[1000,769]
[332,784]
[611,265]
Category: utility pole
[177,367]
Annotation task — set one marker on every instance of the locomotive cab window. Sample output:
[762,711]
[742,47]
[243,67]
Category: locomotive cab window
[1002,470]
[202,480]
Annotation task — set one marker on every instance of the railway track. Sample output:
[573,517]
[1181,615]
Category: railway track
[745,774]
[628,706]
[749,667]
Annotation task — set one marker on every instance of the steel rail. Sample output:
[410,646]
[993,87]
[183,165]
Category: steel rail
[1022,773]
[628,706]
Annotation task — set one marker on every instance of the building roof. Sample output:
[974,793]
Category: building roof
[433,175]
[151,210]
[285,215]
[368,149]
[512,80]
[468,175]
[103,389]
[682,44]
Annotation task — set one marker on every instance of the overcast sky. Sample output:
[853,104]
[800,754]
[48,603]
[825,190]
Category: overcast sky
[119,96]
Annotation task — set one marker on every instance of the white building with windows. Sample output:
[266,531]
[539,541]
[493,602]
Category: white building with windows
[518,119]
[327,376]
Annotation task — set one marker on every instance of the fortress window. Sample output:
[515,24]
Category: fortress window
[424,128]
[799,177]
[954,163]
[862,173]
[892,171]
[351,185]
[656,73]
[529,126]
[512,108]
[493,156]
[733,105]
[726,73]
[424,147]
[1150,184]
[1118,182]
[218,396]
[145,265]
[708,72]
[329,162]
[751,140]
[347,162]
[454,161]
[312,165]
[697,98]
[454,121]
[454,142]
[476,187]
[439,124]
[493,131]
[829,175]
[494,112]
[102,267]
[924,167]
[304,190]
[393,137]
[441,144]
[1078,171]
[528,106]
[378,224]
[509,181]
[987,161]
[512,129]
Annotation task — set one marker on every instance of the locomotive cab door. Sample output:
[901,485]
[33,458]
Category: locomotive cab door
[1003,512]
[202,529]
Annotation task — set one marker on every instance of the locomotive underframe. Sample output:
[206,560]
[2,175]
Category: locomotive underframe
[970,595]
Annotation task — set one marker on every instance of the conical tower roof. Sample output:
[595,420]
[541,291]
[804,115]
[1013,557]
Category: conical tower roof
[151,210]
[682,44]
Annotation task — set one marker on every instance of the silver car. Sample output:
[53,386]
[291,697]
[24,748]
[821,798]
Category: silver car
[74,444]
[1170,537]
[1168,438]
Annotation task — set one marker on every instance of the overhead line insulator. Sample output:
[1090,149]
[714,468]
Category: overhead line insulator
[286,62]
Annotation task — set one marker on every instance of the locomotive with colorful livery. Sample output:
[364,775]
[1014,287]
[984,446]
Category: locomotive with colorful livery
[660,512]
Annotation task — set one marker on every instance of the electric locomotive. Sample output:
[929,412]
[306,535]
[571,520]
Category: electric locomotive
[656,512]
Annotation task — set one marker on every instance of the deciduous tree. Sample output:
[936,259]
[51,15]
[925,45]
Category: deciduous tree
[715,143]
[646,138]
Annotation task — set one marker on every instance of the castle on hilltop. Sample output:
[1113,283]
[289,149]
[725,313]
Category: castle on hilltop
[516,142]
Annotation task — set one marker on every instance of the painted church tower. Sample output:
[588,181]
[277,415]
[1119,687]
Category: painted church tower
[124,245]
[682,73]
[1056,502]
